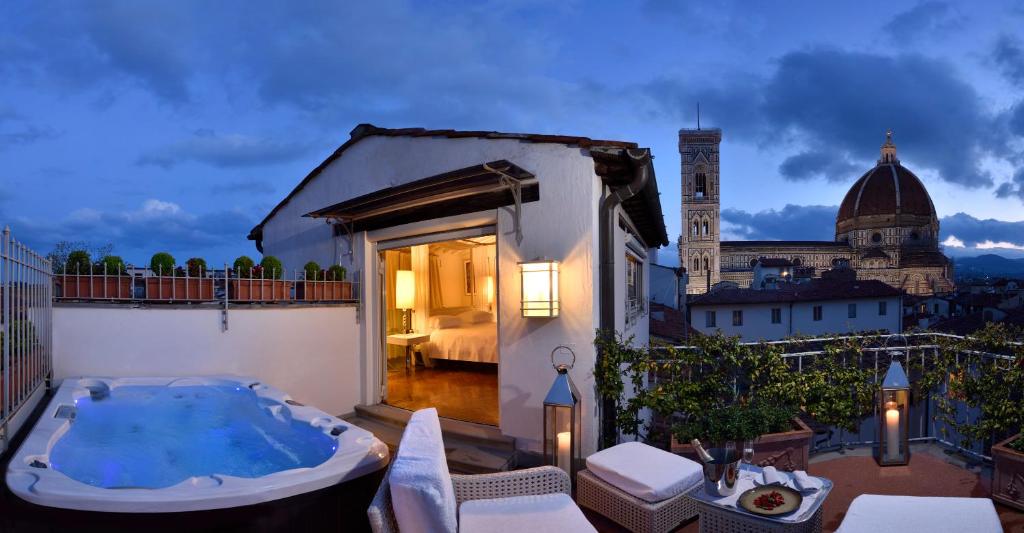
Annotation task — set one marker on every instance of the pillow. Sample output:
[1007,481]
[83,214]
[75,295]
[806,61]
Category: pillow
[421,488]
[476,316]
[644,471]
[445,322]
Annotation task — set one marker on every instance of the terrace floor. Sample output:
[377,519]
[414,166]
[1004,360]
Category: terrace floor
[931,472]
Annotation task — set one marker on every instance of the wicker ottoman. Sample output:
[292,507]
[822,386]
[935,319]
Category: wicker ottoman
[631,512]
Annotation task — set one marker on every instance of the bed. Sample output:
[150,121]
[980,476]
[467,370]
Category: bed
[468,342]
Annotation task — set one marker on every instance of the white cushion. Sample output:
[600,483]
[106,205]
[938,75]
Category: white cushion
[476,316]
[872,513]
[445,322]
[421,488]
[546,513]
[644,471]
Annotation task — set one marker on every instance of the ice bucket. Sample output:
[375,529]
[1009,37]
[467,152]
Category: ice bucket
[722,472]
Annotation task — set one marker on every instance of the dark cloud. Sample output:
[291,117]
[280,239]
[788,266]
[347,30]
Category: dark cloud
[225,150]
[1012,188]
[254,187]
[1009,57]
[974,232]
[1016,119]
[830,166]
[792,222]
[926,18]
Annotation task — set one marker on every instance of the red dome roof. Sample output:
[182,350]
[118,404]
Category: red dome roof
[887,189]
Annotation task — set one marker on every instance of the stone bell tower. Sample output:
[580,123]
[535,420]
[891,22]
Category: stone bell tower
[699,249]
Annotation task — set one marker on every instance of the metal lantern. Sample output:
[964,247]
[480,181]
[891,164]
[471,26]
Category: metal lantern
[562,417]
[894,411]
[540,287]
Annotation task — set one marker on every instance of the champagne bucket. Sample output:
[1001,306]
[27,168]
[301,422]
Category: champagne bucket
[722,473]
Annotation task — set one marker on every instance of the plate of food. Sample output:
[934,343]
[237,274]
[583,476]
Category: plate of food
[770,500]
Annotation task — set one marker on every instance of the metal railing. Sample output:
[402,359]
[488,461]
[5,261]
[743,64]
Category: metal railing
[26,327]
[182,285]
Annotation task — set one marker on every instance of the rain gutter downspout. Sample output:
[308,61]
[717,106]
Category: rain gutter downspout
[640,160]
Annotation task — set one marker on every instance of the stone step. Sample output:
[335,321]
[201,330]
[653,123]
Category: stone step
[489,436]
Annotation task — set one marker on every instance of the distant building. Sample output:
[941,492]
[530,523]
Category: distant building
[886,227]
[818,307]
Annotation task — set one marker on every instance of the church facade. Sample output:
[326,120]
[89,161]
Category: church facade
[886,227]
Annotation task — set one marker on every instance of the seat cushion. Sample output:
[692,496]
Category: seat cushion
[421,487]
[546,513]
[644,471]
[872,513]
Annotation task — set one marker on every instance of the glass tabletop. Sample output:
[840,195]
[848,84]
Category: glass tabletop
[812,501]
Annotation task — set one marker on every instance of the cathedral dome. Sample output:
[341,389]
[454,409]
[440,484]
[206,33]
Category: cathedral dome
[887,195]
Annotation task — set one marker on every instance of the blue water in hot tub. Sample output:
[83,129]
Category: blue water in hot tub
[158,436]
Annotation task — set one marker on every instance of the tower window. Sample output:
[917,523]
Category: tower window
[696,229]
[876,237]
[707,264]
[696,264]
[707,230]
[701,184]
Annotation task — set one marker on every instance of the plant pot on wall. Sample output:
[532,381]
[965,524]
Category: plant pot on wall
[323,291]
[259,290]
[95,287]
[1008,473]
[788,450]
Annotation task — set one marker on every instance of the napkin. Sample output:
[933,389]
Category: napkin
[805,483]
[770,475]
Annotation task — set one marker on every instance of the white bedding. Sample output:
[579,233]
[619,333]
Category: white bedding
[476,342]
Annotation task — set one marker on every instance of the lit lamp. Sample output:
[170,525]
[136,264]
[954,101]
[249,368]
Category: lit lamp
[540,288]
[489,291]
[405,295]
[893,448]
[562,418]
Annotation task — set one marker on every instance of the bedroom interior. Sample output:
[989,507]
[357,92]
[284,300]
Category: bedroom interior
[441,328]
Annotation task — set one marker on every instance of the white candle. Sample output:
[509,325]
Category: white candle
[892,431]
[562,458]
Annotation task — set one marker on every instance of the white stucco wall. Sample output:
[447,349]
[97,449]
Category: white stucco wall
[562,226]
[307,352]
[757,318]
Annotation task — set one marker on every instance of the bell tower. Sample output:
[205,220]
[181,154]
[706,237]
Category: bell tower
[699,249]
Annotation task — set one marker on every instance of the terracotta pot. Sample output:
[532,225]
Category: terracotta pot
[1008,474]
[179,289]
[788,450]
[323,291]
[95,287]
[260,290]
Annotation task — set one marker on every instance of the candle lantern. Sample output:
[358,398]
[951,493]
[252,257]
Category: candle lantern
[540,287]
[562,417]
[894,406]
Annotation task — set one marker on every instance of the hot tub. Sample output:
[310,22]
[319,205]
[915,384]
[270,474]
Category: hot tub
[157,445]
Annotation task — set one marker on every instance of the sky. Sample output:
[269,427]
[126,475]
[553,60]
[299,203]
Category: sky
[177,125]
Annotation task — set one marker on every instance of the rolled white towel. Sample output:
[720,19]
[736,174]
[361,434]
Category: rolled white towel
[805,483]
[770,475]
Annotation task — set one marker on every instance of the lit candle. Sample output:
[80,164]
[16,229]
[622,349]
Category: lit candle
[562,459]
[892,431]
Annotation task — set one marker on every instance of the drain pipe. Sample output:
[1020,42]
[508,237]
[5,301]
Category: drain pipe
[640,160]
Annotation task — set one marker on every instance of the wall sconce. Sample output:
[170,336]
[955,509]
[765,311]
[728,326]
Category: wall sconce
[894,406]
[562,418]
[540,287]
[405,295]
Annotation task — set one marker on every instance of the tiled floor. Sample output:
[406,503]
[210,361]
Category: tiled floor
[930,473]
[463,391]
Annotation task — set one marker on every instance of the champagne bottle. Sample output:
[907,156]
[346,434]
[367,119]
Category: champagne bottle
[701,452]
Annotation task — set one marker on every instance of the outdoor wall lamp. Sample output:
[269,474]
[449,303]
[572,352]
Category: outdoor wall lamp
[539,287]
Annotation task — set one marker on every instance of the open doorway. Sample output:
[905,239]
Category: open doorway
[440,327]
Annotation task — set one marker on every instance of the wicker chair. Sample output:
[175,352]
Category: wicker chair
[529,482]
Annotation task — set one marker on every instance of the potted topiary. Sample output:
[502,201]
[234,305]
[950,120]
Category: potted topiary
[196,285]
[260,283]
[160,284]
[337,288]
[76,279]
[312,286]
[117,284]
[326,286]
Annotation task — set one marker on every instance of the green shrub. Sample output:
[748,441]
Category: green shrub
[243,266]
[162,264]
[79,262]
[336,273]
[272,267]
[112,265]
[1017,444]
[312,269]
[196,267]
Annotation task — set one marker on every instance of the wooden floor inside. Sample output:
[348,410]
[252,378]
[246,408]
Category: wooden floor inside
[463,391]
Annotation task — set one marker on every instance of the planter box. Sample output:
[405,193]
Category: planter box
[179,289]
[321,291]
[1008,474]
[259,290]
[789,450]
[95,287]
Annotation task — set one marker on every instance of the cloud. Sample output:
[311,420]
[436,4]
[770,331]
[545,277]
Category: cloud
[1009,57]
[1001,245]
[830,166]
[792,222]
[926,18]
[1014,187]
[953,242]
[225,150]
[254,187]
[25,135]
[1016,119]
[974,232]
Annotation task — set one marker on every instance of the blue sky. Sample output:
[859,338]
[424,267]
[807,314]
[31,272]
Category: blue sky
[177,125]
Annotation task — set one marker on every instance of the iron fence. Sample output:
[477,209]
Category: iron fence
[26,327]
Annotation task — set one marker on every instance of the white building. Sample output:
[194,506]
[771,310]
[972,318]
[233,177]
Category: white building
[819,307]
[392,200]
